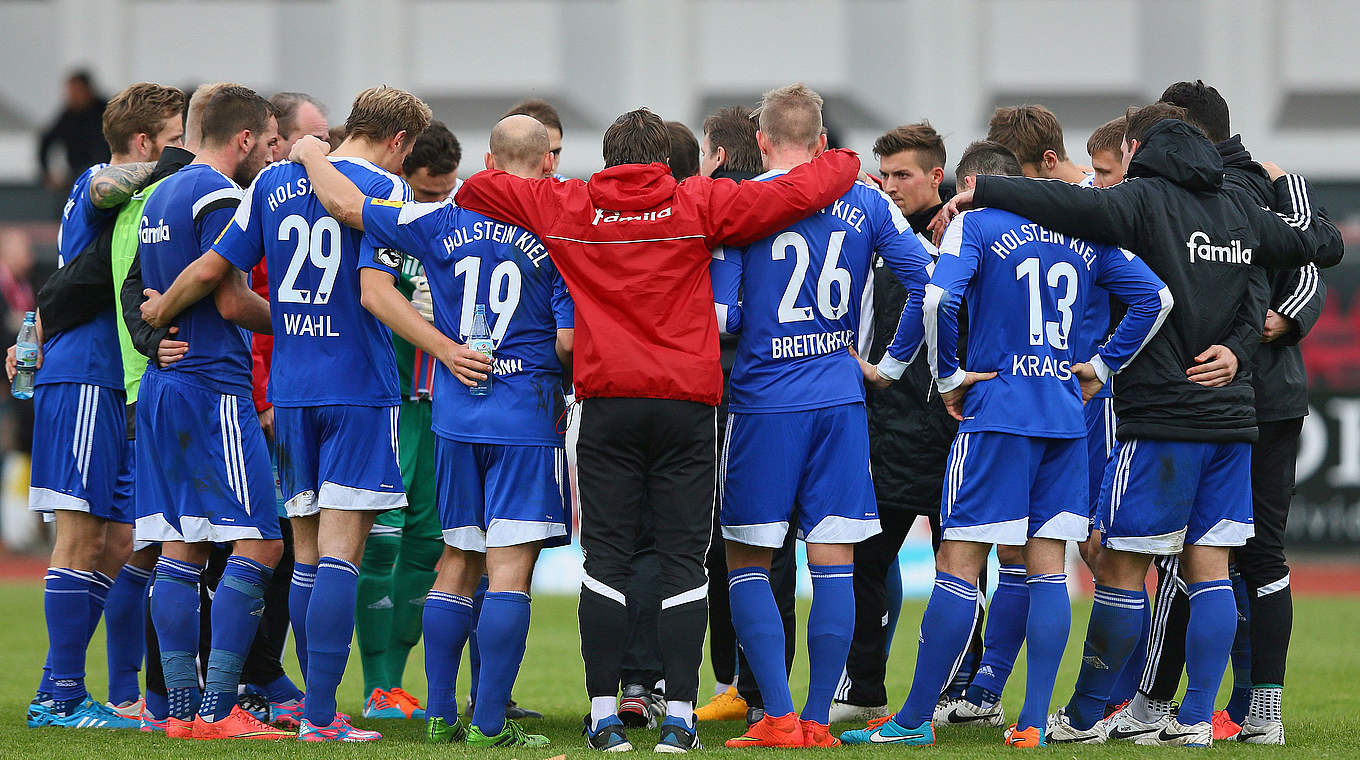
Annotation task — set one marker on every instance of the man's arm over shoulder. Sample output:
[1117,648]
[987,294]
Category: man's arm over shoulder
[533,204]
[1111,215]
[740,213]
[1296,233]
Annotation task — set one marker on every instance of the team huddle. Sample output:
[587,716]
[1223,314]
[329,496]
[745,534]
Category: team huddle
[1090,338]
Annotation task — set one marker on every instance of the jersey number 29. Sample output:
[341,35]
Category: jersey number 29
[318,243]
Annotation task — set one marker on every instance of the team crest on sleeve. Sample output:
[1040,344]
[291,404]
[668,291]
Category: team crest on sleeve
[387,257]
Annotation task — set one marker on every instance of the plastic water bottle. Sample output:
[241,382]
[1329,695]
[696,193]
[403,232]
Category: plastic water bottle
[480,340]
[26,357]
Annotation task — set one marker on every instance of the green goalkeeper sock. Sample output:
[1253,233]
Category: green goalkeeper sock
[411,581]
[374,608]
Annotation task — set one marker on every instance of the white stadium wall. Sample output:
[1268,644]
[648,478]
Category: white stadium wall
[1289,69]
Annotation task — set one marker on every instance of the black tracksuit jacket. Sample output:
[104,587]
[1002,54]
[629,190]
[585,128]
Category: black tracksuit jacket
[1209,246]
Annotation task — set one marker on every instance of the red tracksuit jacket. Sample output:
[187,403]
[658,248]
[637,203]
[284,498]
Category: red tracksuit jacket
[633,246]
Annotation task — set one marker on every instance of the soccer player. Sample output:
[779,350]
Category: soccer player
[82,462]
[1021,433]
[1107,160]
[634,246]
[404,545]
[1179,479]
[333,380]
[797,444]
[499,458]
[202,469]
[547,115]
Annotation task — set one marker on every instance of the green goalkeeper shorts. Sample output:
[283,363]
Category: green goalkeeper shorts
[415,450]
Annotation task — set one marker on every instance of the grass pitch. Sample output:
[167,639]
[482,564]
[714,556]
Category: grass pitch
[1322,712]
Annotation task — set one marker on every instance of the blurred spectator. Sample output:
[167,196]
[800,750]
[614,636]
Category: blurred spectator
[337,136]
[78,130]
[16,265]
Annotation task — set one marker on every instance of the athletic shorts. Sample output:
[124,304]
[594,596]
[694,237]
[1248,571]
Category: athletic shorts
[80,451]
[1100,426]
[202,466]
[1159,496]
[338,457]
[500,495]
[1001,488]
[813,464]
[415,452]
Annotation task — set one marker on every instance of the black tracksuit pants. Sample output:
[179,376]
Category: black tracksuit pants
[637,459]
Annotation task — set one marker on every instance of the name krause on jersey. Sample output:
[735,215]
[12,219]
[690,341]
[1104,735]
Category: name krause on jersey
[321,330]
[471,259]
[1025,287]
[795,299]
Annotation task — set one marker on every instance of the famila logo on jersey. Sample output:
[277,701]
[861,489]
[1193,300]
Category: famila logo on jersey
[609,217]
[154,233]
[1203,249]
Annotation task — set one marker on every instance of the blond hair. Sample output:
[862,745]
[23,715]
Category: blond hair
[193,120]
[379,113]
[791,115]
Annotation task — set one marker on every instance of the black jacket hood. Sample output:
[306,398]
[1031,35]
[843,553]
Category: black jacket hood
[1176,151]
[1236,156]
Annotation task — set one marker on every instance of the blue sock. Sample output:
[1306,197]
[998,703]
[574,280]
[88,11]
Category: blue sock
[944,634]
[281,689]
[1208,642]
[831,625]
[66,605]
[174,613]
[1005,632]
[1116,619]
[893,591]
[1046,628]
[157,705]
[503,628]
[447,621]
[473,650]
[1240,700]
[330,629]
[236,611]
[125,632]
[1127,684]
[760,631]
[299,596]
[99,596]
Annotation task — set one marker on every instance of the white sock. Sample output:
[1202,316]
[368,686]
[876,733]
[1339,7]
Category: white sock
[721,688]
[1148,710]
[1265,704]
[601,708]
[682,710]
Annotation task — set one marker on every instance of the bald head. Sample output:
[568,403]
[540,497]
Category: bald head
[519,145]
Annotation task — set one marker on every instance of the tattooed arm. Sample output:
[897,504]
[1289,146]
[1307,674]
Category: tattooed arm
[113,185]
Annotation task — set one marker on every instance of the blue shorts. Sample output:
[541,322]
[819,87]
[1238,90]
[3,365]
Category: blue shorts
[1100,426]
[814,463]
[338,457]
[79,450]
[1159,496]
[500,495]
[1001,488]
[202,466]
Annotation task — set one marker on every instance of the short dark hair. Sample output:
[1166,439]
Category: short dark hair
[437,151]
[920,137]
[232,109]
[1140,120]
[1029,131]
[139,109]
[286,106]
[987,157]
[734,130]
[1204,108]
[637,137]
[1107,136]
[539,109]
[684,158]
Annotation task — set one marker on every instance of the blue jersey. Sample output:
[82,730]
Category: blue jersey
[86,353]
[1096,318]
[471,259]
[1026,288]
[328,349]
[796,297]
[181,221]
